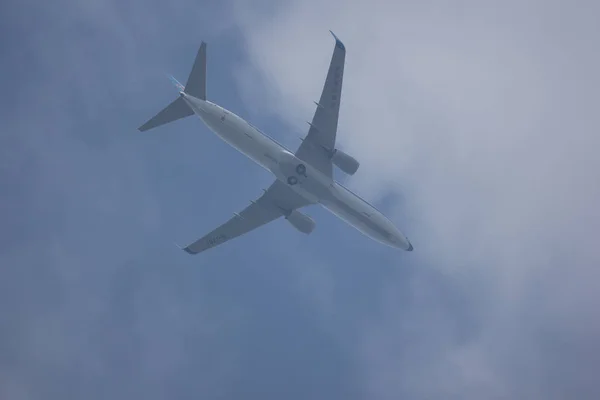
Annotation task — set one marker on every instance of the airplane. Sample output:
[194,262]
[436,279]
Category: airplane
[303,178]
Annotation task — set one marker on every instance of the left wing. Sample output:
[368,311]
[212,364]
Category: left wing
[277,200]
[319,144]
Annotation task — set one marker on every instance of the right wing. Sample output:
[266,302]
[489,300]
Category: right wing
[318,145]
[277,200]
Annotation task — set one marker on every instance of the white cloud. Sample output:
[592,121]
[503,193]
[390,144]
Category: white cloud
[483,115]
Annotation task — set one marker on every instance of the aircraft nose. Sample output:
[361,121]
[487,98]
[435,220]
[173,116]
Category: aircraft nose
[400,241]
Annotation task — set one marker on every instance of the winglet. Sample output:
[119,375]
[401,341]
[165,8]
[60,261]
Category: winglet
[186,249]
[338,42]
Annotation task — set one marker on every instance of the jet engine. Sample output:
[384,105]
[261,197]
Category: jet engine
[302,222]
[345,162]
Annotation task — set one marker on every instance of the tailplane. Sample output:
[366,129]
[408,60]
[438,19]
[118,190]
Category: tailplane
[195,86]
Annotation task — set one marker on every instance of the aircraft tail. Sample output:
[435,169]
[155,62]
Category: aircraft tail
[195,86]
[196,83]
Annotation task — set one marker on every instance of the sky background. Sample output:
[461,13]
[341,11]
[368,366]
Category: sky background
[476,124]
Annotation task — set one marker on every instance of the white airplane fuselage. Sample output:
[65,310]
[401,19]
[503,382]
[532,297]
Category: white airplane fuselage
[308,182]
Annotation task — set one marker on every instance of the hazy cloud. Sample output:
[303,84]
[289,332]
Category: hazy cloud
[481,115]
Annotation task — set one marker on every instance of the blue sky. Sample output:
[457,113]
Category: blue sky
[460,131]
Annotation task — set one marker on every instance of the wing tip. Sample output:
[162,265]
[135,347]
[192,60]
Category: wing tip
[186,249]
[189,251]
[338,42]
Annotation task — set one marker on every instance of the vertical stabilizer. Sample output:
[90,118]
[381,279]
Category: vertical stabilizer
[196,83]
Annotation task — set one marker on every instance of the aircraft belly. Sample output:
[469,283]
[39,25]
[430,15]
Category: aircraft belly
[241,140]
[301,177]
[348,218]
[356,214]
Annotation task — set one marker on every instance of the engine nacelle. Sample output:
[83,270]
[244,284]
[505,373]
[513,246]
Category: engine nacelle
[345,162]
[302,222]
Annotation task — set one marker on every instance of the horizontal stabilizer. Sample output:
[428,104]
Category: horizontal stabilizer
[174,111]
